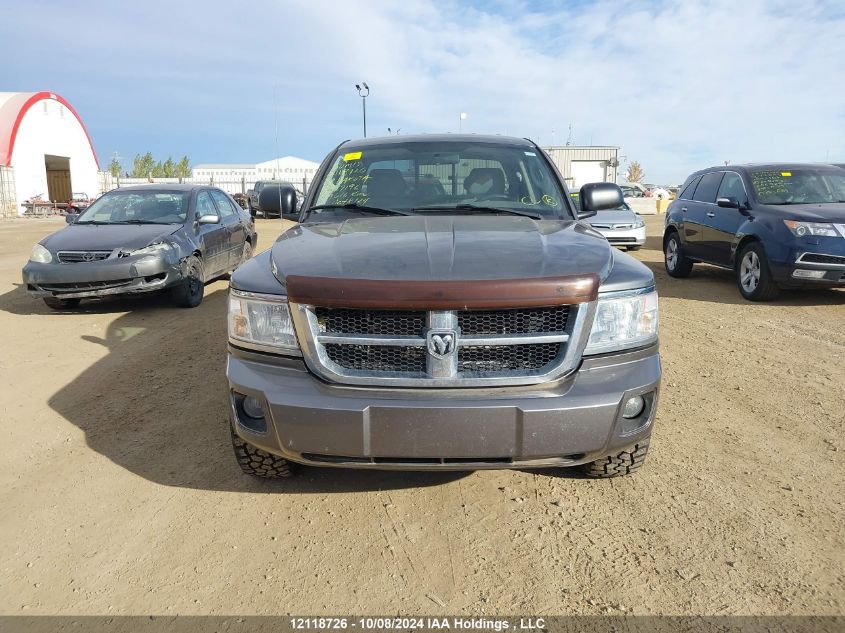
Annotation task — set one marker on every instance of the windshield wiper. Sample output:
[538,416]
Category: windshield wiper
[483,209]
[140,222]
[357,207]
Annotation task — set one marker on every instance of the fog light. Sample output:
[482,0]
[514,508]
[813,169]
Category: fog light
[633,407]
[808,274]
[253,408]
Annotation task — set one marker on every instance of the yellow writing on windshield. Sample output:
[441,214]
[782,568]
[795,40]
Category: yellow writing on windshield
[352,156]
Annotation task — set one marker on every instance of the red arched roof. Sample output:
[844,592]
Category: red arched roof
[12,111]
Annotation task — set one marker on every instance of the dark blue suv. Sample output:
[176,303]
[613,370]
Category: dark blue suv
[777,225]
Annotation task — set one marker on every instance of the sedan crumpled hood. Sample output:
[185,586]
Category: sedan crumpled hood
[442,248]
[107,237]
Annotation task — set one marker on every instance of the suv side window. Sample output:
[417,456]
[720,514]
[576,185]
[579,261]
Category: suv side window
[686,194]
[223,203]
[707,188]
[732,187]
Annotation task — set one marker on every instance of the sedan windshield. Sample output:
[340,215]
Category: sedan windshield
[798,186]
[442,177]
[138,207]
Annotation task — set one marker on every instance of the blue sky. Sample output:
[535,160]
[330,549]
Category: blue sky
[678,85]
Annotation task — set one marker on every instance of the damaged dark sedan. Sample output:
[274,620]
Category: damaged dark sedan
[143,239]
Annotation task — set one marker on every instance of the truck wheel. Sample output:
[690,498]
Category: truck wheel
[259,463]
[189,292]
[677,264]
[623,462]
[61,304]
[753,276]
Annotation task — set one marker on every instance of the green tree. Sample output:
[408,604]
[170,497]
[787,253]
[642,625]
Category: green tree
[115,168]
[169,168]
[143,166]
[183,168]
[635,172]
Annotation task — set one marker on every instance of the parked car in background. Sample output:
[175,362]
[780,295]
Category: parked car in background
[252,195]
[142,239]
[475,325]
[78,202]
[776,225]
[620,226]
[633,190]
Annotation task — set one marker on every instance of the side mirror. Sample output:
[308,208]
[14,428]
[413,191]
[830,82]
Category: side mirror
[597,196]
[70,218]
[728,203]
[279,199]
[208,218]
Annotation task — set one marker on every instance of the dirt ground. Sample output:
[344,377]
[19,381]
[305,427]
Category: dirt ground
[120,494]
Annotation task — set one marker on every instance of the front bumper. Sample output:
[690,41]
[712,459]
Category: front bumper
[113,276]
[568,422]
[812,264]
[624,237]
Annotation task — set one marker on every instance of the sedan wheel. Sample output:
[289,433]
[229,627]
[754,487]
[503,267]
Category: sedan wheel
[189,292]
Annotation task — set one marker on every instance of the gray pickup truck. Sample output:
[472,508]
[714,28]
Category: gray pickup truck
[441,306]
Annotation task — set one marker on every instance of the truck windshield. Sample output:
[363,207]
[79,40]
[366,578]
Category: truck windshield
[138,207]
[442,177]
[798,186]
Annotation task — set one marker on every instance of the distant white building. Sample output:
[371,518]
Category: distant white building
[286,168]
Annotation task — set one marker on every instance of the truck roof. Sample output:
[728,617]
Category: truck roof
[438,138]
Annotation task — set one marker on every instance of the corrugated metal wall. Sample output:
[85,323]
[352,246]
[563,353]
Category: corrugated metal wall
[563,155]
[8,198]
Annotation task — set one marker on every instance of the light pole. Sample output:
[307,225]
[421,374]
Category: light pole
[461,120]
[364,92]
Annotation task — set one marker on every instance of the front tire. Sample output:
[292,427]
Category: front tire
[259,463]
[753,276]
[247,254]
[621,463]
[676,262]
[189,292]
[61,304]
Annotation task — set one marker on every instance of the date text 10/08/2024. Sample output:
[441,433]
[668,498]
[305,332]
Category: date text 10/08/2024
[427,623]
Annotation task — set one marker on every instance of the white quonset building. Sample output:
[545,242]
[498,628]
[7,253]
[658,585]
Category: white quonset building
[287,168]
[44,149]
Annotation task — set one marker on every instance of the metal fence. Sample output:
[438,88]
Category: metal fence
[8,199]
[241,185]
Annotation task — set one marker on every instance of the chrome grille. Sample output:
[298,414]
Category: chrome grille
[442,348]
[76,257]
[518,321]
[378,357]
[348,321]
[494,358]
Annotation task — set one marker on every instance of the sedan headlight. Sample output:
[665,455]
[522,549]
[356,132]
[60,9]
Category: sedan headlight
[639,223]
[811,228]
[624,321]
[40,254]
[152,249]
[261,322]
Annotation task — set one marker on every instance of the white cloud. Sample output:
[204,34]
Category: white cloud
[678,85]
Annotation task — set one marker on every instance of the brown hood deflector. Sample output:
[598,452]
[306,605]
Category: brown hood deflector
[393,294]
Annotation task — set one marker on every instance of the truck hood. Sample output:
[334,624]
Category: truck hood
[436,248]
[107,237]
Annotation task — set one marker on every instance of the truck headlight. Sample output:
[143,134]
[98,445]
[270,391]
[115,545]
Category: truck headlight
[40,254]
[811,228]
[624,321]
[261,322]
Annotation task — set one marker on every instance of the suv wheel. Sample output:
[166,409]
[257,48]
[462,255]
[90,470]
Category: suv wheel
[623,462]
[259,463]
[753,276]
[61,304]
[676,262]
[189,292]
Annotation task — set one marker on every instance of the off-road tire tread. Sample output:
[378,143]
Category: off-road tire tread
[259,463]
[625,462]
